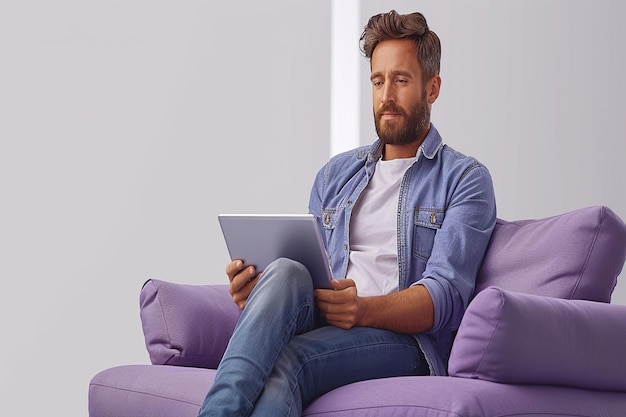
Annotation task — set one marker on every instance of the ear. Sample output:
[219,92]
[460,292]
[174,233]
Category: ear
[432,89]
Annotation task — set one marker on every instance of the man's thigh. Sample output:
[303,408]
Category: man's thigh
[329,357]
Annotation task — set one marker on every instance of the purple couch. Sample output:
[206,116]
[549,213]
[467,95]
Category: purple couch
[538,339]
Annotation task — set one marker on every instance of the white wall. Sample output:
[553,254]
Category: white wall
[535,90]
[125,128]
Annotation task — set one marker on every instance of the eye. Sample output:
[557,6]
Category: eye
[377,83]
[401,81]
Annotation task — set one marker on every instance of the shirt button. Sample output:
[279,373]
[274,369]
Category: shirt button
[326,219]
[345,247]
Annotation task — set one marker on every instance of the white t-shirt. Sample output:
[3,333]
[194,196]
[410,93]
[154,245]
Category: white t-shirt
[373,262]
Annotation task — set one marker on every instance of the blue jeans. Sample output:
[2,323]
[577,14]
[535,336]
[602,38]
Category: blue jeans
[281,357]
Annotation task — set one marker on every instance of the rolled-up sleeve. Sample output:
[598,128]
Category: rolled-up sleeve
[459,247]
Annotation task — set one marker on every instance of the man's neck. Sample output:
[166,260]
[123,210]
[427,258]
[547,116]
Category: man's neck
[400,151]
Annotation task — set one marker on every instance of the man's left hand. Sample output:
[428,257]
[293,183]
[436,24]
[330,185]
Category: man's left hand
[340,306]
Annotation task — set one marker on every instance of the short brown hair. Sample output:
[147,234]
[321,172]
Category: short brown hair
[412,26]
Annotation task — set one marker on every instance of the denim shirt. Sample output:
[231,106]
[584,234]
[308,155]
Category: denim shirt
[446,214]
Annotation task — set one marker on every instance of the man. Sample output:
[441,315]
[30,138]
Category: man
[406,221]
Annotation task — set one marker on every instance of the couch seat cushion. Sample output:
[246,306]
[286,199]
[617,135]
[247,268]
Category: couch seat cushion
[173,391]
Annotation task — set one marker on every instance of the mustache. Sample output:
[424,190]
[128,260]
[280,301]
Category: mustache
[389,108]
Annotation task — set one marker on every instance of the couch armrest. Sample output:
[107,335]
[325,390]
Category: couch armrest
[517,338]
[186,325]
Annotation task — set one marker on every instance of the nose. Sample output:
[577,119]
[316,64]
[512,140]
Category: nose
[388,93]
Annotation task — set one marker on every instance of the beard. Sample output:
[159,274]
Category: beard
[407,130]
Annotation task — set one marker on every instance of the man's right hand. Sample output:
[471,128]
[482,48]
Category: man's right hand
[242,281]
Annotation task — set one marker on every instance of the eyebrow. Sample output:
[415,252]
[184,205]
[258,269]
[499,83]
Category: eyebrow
[395,73]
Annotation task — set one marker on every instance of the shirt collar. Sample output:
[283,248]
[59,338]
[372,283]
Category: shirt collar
[432,143]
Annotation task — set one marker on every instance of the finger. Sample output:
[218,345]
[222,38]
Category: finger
[327,296]
[342,284]
[241,296]
[242,278]
[344,309]
[339,321]
[233,268]
[243,283]
[342,296]
[332,310]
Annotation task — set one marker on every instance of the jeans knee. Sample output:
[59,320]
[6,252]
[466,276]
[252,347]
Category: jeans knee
[291,273]
[289,265]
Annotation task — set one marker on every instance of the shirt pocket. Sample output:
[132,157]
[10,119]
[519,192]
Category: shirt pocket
[329,218]
[427,221]
[329,222]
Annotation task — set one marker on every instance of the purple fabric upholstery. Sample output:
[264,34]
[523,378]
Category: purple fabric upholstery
[186,325]
[149,391]
[575,255]
[516,338]
[435,396]
[505,336]
[172,391]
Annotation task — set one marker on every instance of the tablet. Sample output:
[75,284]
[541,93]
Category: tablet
[259,239]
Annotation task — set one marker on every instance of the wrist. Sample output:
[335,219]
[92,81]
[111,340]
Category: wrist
[364,316]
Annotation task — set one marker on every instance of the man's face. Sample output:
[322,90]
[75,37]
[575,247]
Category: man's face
[401,108]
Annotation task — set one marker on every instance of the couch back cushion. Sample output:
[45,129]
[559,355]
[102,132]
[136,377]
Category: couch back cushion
[575,255]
